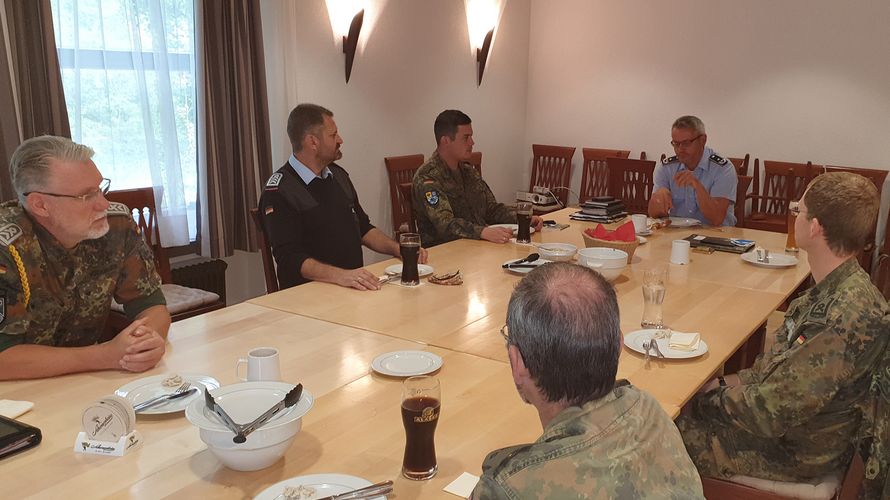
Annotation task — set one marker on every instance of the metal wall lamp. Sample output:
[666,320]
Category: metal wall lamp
[350,41]
[482,56]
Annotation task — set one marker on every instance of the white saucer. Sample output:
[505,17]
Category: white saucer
[323,484]
[406,363]
[422,269]
[684,222]
[514,228]
[647,232]
[634,341]
[525,270]
[146,388]
[774,260]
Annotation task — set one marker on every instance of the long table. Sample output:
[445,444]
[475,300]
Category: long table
[328,336]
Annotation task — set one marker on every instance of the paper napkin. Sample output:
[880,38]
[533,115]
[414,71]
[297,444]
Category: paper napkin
[684,341]
[463,485]
[12,409]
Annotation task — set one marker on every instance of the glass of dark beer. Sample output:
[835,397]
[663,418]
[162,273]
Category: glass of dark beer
[409,246]
[524,220]
[421,401]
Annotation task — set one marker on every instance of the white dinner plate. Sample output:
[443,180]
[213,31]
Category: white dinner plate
[642,240]
[146,388]
[645,232]
[525,270]
[245,401]
[422,269]
[774,260]
[634,340]
[406,363]
[323,484]
[684,222]
[514,228]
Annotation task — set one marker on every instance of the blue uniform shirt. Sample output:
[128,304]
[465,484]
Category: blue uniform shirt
[716,173]
[305,172]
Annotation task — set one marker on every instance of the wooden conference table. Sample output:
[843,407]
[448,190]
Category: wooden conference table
[328,336]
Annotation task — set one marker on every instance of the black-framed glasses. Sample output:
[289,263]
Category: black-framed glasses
[505,332]
[686,143]
[103,189]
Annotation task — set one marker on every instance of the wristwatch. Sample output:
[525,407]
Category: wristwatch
[721,381]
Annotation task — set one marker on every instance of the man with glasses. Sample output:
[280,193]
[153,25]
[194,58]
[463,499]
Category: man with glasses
[696,182]
[601,439]
[797,412]
[65,251]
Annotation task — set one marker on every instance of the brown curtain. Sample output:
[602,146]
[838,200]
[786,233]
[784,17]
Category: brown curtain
[31,95]
[237,142]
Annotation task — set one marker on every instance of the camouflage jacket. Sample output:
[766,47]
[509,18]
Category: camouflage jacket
[804,396]
[69,291]
[450,206]
[875,435]
[620,446]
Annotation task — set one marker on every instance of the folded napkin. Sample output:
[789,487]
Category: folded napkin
[687,342]
[463,485]
[12,409]
[625,232]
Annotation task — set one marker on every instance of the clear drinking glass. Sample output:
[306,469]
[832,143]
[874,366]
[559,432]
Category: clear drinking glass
[409,246]
[524,220]
[654,288]
[791,241]
[421,401]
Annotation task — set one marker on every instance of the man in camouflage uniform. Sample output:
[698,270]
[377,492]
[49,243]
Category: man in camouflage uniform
[795,414]
[601,439]
[65,251]
[451,200]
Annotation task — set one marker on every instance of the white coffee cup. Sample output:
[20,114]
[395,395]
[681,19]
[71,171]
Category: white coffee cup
[262,364]
[641,222]
[680,252]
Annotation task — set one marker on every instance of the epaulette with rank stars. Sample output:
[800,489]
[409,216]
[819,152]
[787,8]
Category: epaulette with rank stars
[719,160]
[672,159]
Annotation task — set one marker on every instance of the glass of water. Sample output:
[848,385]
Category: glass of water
[654,287]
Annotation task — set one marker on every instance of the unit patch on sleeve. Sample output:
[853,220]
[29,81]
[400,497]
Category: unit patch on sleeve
[432,198]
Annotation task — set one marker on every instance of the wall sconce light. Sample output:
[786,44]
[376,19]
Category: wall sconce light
[482,20]
[350,41]
[346,18]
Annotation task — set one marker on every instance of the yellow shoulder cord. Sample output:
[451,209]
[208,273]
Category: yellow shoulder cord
[21,267]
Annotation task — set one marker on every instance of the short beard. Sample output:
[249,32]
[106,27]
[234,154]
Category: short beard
[102,230]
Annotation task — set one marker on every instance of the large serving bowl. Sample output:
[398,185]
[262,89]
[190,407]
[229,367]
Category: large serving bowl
[557,252]
[245,402]
[609,262]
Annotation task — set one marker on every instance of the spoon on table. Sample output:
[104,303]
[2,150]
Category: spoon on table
[527,260]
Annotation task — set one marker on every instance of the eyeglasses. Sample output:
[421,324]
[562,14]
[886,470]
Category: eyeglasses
[103,189]
[505,332]
[686,143]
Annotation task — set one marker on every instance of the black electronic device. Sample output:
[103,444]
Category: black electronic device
[720,244]
[16,436]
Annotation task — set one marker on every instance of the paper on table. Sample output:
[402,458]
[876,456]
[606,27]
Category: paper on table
[463,485]
[12,409]
[684,341]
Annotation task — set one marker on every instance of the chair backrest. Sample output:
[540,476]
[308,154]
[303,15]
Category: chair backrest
[476,161]
[405,191]
[631,181]
[141,202]
[881,273]
[400,169]
[552,168]
[741,199]
[595,173]
[783,182]
[741,164]
[265,252]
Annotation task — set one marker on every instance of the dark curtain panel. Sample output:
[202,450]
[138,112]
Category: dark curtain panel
[36,80]
[237,143]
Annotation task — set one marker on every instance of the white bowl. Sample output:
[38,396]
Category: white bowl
[244,402]
[609,262]
[558,252]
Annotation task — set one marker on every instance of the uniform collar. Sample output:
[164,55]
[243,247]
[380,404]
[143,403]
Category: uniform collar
[833,280]
[561,425]
[461,165]
[705,163]
[305,172]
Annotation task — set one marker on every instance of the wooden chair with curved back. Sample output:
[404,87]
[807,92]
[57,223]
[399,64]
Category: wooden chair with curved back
[631,181]
[740,164]
[405,191]
[595,173]
[881,273]
[783,182]
[182,302]
[401,170]
[476,161]
[269,272]
[877,177]
[741,198]
[552,169]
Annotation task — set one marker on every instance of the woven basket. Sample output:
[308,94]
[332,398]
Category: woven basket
[627,246]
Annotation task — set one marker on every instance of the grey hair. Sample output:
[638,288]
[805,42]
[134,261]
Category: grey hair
[564,320]
[29,165]
[690,122]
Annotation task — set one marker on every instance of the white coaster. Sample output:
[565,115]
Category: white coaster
[463,485]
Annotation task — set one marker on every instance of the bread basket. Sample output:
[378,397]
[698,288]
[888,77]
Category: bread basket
[626,246]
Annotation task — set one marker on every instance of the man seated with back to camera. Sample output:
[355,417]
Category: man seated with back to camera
[601,439]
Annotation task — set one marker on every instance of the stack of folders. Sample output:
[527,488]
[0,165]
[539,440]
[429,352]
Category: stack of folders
[602,209]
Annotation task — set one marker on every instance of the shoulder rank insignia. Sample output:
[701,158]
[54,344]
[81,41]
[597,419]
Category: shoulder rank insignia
[432,197]
[672,159]
[115,208]
[275,180]
[9,233]
[719,160]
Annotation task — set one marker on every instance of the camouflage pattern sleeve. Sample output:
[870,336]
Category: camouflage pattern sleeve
[138,284]
[14,321]
[496,212]
[431,198]
[487,489]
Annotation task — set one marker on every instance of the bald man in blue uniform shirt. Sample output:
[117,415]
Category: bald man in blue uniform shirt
[697,182]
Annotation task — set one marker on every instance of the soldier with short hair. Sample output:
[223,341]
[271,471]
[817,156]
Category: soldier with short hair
[65,251]
[795,414]
[696,182]
[601,439]
[451,200]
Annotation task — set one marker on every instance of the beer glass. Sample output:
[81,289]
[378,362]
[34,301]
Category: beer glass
[791,241]
[409,247]
[654,288]
[421,401]
[524,220]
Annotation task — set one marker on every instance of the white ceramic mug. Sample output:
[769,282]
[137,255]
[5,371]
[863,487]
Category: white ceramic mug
[262,364]
[641,222]
[680,252]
